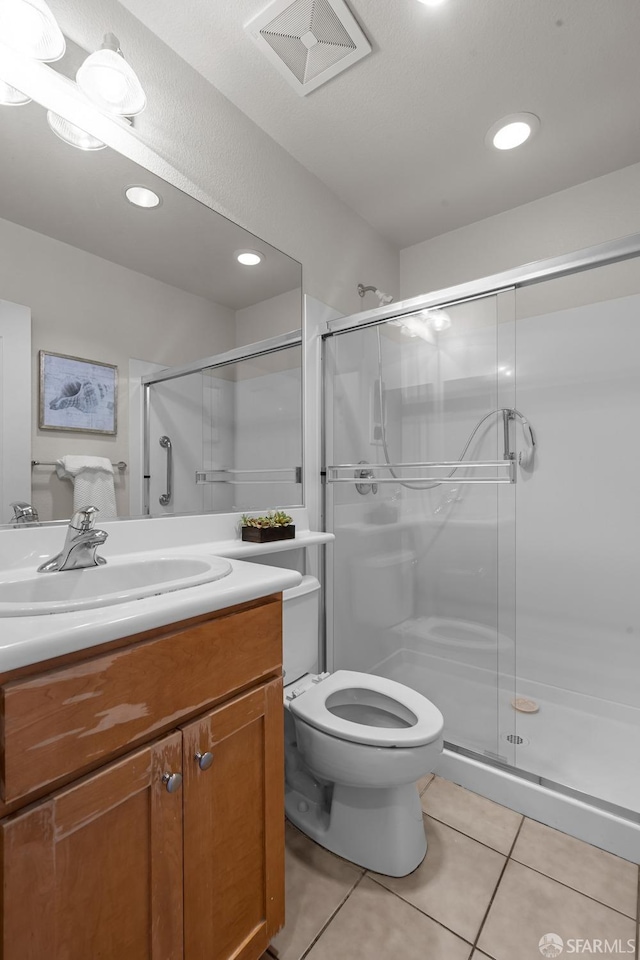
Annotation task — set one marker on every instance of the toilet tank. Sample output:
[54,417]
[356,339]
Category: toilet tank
[300,629]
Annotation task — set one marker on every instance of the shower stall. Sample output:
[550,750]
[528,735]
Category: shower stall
[480,450]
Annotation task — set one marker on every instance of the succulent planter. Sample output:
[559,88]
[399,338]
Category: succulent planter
[268,534]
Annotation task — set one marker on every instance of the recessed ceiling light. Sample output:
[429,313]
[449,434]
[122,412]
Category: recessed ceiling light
[249,258]
[512,131]
[143,197]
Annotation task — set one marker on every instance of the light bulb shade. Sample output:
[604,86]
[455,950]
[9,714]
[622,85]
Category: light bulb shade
[10,97]
[71,134]
[30,28]
[109,82]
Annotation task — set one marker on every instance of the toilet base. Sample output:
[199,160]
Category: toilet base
[380,829]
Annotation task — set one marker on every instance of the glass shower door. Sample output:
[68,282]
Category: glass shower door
[421,574]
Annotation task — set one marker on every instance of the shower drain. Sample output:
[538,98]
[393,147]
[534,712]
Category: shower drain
[516,739]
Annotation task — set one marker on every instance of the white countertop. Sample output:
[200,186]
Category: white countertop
[31,639]
[26,640]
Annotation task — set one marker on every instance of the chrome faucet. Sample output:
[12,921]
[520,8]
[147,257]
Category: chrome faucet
[23,513]
[80,545]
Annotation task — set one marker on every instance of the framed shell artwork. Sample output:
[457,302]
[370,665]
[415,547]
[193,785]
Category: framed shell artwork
[77,394]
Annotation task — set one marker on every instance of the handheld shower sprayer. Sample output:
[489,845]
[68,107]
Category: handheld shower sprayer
[525,457]
[384,298]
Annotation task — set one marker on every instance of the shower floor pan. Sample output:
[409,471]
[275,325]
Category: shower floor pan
[584,743]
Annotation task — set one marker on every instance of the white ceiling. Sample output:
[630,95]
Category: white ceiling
[400,135]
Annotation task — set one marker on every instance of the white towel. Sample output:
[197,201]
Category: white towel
[92,479]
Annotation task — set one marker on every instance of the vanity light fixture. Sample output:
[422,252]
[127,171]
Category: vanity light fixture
[249,258]
[72,134]
[432,3]
[29,27]
[142,197]
[109,82]
[10,97]
[512,131]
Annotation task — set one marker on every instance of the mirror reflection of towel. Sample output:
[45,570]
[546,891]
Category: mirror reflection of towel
[92,479]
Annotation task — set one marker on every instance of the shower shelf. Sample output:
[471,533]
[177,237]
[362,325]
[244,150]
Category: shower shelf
[453,466]
[238,549]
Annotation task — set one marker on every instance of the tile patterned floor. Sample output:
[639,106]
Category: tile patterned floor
[492,885]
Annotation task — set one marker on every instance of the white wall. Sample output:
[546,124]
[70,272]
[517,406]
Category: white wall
[269,318]
[584,215]
[239,170]
[88,307]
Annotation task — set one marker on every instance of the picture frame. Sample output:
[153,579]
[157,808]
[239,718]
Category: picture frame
[78,395]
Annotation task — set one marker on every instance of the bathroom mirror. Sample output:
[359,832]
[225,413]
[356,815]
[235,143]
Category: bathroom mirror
[138,289]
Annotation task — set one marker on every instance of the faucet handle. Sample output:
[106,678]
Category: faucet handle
[84,520]
[24,512]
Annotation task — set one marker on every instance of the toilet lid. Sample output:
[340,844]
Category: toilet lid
[367,709]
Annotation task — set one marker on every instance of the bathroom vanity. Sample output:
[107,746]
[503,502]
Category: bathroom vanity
[142,794]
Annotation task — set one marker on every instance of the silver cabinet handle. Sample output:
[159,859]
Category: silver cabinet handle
[204,760]
[166,497]
[173,781]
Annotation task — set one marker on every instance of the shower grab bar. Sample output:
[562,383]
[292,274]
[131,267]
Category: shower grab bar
[165,498]
[205,476]
[507,464]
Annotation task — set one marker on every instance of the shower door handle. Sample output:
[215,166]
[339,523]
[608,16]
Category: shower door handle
[165,498]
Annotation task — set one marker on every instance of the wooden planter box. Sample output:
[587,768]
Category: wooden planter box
[268,534]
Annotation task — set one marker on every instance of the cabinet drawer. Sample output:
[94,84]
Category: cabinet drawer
[70,719]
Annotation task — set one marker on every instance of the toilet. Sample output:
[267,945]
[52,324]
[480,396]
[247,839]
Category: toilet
[355,745]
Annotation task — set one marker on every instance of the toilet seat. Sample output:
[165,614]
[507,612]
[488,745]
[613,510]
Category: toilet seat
[406,718]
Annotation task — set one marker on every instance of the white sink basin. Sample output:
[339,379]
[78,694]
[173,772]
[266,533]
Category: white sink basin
[29,593]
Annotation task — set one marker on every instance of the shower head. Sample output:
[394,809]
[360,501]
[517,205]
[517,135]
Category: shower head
[384,298]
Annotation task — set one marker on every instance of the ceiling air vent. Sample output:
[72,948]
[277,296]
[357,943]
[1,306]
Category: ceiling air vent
[309,41]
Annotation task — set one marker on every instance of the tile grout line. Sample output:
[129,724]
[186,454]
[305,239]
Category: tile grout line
[539,872]
[581,893]
[497,886]
[423,791]
[308,949]
[469,836]
[439,923]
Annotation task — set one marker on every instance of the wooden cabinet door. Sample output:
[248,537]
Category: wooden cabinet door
[234,828]
[95,871]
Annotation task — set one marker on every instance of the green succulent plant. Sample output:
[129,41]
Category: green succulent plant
[275,518]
